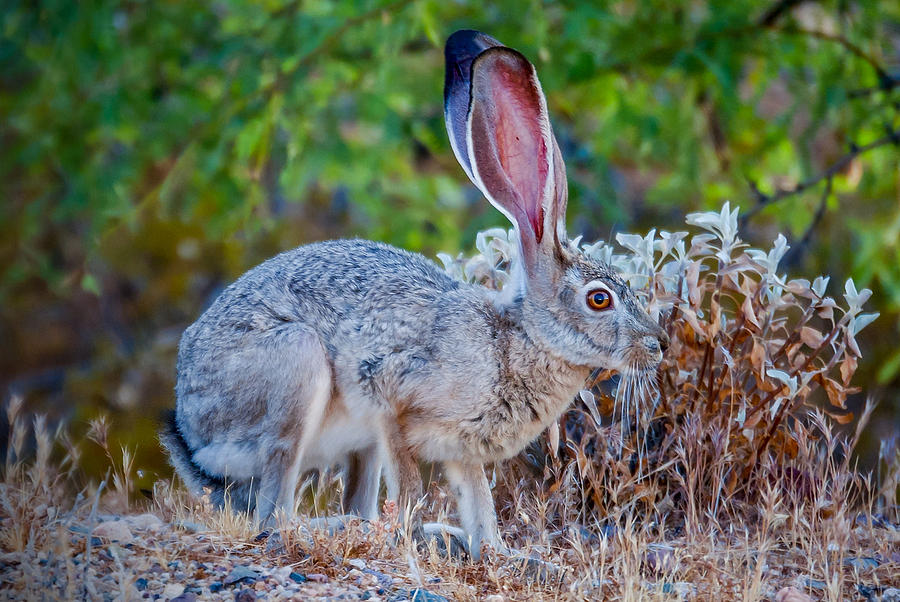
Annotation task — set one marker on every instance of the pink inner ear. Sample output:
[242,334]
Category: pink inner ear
[514,118]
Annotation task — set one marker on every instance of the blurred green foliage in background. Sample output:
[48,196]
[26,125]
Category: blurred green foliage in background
[152,151]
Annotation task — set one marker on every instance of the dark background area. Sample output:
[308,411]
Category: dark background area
[152,152]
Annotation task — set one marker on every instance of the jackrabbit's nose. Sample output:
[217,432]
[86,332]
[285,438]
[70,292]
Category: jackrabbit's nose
[652,344]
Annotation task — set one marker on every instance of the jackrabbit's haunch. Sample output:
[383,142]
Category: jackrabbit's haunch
[357,353]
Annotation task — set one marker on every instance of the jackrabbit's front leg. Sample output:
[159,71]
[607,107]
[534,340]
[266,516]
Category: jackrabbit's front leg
[475,505]
[402,477]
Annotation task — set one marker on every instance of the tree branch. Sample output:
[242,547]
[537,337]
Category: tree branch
[796,252]
[763,200]
[838,39]
[774,12]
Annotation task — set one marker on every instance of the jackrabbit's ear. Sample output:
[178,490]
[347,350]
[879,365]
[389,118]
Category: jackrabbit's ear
[461,49]
[511,154]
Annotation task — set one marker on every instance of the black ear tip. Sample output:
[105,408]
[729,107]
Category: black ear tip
[467,44]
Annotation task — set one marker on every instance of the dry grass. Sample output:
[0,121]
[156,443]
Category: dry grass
[729,477]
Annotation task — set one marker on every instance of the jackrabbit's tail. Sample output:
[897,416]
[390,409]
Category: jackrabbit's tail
[237,493]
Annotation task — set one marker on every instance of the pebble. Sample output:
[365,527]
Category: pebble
[190,526]
[173,590]
[861,563]
[816,584]
[185,597]
[660,558]
[245,595]
[275,544]
[317,577]
[145,522]
[422,595]
[241,574]
[383,579]
[114,530]
[297,577]
[358,563]
[891,594]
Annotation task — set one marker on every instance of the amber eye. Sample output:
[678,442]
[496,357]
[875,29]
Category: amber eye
[599,299]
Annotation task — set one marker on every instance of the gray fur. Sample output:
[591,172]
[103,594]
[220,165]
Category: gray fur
[354,352]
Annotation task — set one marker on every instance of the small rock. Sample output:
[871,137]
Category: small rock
[422,595]
[173,590]
[245,595]
[682,589]
[114,530]
[494,598]
[791,594]
[891,594]
[242,574]
[189,526]
[141,584]
[185,597]
[861,564]
[660,558]
[297,577]
[383,580]
[274,544]
[145,522]
[317,577]
[215,586]
[815,584]
[358,563]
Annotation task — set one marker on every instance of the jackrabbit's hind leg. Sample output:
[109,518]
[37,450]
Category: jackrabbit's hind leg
[402,476]
[299,391]
[362,479]
[449,541]
[476,506]
[476,510]
[274,484]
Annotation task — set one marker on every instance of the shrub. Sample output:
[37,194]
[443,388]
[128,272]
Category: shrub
[737,402]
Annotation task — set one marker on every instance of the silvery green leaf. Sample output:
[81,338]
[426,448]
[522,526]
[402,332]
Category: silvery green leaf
[668,240]
[632,242]
[700,244]
[726,357]
[850,290]
[774,409]
[820,284]
[588,398]
[599,250]
[781,375]
[446,259]
[859,322]
[708,220]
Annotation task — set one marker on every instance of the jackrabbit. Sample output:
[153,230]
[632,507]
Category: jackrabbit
[357,353]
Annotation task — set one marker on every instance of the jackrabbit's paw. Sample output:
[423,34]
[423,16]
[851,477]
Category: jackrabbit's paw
[535,569]
[449,541]
[332,525]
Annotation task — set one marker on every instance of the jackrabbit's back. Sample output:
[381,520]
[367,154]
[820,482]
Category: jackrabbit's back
[349,298]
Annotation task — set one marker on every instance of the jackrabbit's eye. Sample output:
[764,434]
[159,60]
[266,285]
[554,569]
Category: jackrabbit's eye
[599,299]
